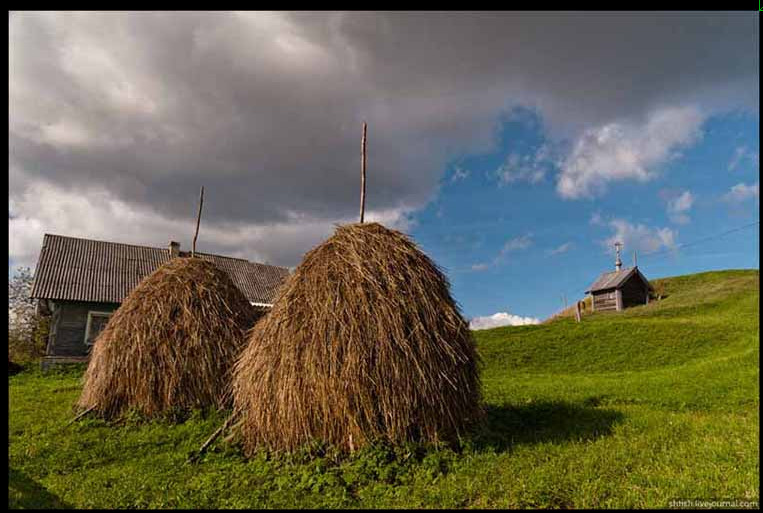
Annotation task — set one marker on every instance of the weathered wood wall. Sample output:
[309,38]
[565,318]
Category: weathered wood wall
[68,326]
[602,301]
[634,292]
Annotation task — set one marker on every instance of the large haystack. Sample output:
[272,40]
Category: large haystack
[364,342]
[171,344]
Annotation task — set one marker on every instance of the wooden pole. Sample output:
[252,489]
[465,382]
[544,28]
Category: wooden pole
[363,173]
[209,441]
[577,311]
[198,221]
[80,415]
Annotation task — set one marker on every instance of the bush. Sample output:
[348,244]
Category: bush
[658,289]
[27,331]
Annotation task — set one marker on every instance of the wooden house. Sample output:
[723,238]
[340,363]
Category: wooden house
[619,289]
[80,282]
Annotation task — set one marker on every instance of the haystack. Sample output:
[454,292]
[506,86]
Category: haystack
[171,344]
[363,343]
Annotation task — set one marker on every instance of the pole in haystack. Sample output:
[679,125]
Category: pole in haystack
[363,172]
[214,436]
[198,221]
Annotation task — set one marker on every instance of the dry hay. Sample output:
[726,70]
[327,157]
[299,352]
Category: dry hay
[363,343]
[171,345]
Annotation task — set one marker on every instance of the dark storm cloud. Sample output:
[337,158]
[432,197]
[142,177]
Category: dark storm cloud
[265,109]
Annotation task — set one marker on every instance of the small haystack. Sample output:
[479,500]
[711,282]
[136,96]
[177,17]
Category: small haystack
[364,342]
[171,344]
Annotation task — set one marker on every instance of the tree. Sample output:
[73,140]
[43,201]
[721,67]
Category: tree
[27,331]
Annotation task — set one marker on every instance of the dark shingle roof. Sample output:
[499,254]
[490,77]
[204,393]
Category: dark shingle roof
[614,279]
[76,269]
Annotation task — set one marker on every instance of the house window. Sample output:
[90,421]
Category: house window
[96,321]
[611,295]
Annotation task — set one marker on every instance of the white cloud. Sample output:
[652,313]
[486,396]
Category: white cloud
[531,168]
[561,249]
[742,192]
[513,245]
[596,219]
[501,319]
[516,244]
[742,153]
[679,206]
[459,174]
[627,151]
[639,237]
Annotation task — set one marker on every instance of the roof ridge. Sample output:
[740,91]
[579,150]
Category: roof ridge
[143,246]
[269,265]
[219,256]
[240,259]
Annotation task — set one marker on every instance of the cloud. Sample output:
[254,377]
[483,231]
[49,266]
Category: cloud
[516,244]
[679,206]
[530,168]
[98,214]
[626,151]
[742,192]
[264,109]
[512,245]
[559,250]
[501,319]
[741,154]
[459,174]
[639,237]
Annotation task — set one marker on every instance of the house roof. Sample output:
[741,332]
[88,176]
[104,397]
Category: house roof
[77,269]
[615,279]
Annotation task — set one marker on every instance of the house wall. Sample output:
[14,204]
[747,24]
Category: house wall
[602,300]
[68,326]
[634,292]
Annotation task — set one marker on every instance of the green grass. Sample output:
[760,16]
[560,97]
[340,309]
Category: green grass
[628,409]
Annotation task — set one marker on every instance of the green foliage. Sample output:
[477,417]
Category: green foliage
[624,410]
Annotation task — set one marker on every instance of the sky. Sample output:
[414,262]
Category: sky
[515,148]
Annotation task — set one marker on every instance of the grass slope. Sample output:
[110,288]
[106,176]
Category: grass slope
[627,409]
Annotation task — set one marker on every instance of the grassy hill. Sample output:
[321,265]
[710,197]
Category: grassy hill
[629,409]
